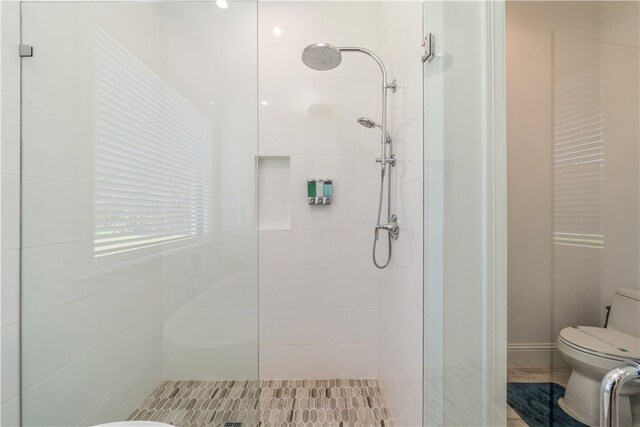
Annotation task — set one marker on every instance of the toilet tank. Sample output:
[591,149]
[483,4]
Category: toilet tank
[625,312]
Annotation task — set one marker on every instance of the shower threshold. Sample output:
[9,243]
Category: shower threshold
[334,402]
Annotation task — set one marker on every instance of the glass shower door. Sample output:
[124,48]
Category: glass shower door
[465,221]
[139,238]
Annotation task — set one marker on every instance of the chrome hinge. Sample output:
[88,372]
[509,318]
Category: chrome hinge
[25,50]
[427,44]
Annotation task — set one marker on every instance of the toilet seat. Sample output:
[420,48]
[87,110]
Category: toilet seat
[600,342]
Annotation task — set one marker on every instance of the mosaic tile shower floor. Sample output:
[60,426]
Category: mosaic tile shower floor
[346,402]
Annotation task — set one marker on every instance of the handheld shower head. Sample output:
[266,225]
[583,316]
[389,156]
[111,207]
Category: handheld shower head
[321,56]
[370,124]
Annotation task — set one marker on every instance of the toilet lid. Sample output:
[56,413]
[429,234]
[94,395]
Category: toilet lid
[603,341]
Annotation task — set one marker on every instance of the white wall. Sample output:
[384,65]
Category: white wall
[550,46]
[318,287]
[401,295]
[9,196]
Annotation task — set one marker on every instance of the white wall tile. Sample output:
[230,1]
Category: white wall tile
[10,413]
[45,145]
[56,212]
[226,288]
[349,287]
[81,154]
[191,363]
[10,149]
[342,361]
[277,361]
[10,79]
[97,318]
[318,361]
[10,292]
[238,249]
[277,250]
[207,21]
[327,249]
[278,136]
[137,387]
[179,327]
[319,288]
[45,345]
[330,325]
[179,287]
[10,212]
[275,211]
[239,362]
[319,97]
[10,341]
[95,375]
[342,22]
[290,288]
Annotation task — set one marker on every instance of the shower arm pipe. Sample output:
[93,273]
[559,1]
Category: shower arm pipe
[385,84]
[384,159]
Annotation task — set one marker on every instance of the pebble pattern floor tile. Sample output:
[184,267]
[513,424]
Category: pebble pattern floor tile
[340,403]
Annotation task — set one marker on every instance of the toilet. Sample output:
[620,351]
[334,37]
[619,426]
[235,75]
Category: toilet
[592,352]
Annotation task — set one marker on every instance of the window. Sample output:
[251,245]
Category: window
[150,156]
[578,159]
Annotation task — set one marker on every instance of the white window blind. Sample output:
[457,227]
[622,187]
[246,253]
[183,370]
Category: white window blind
[150,156]
[578,159]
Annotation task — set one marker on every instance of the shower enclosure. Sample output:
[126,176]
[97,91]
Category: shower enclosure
[171,267]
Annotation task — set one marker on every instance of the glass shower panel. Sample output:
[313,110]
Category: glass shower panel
[465,285]
[139,243]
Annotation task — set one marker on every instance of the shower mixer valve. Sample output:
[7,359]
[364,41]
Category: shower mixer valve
[392,227]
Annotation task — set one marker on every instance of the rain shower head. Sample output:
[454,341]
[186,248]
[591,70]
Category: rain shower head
[321,56]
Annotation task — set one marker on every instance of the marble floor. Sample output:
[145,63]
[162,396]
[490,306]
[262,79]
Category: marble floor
[346,402]
[533,375]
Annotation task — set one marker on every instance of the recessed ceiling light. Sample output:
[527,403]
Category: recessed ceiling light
[277,31]
[264,103]
[222,4]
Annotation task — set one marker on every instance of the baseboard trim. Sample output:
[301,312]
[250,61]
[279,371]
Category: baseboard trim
[534,355]
[538,346]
